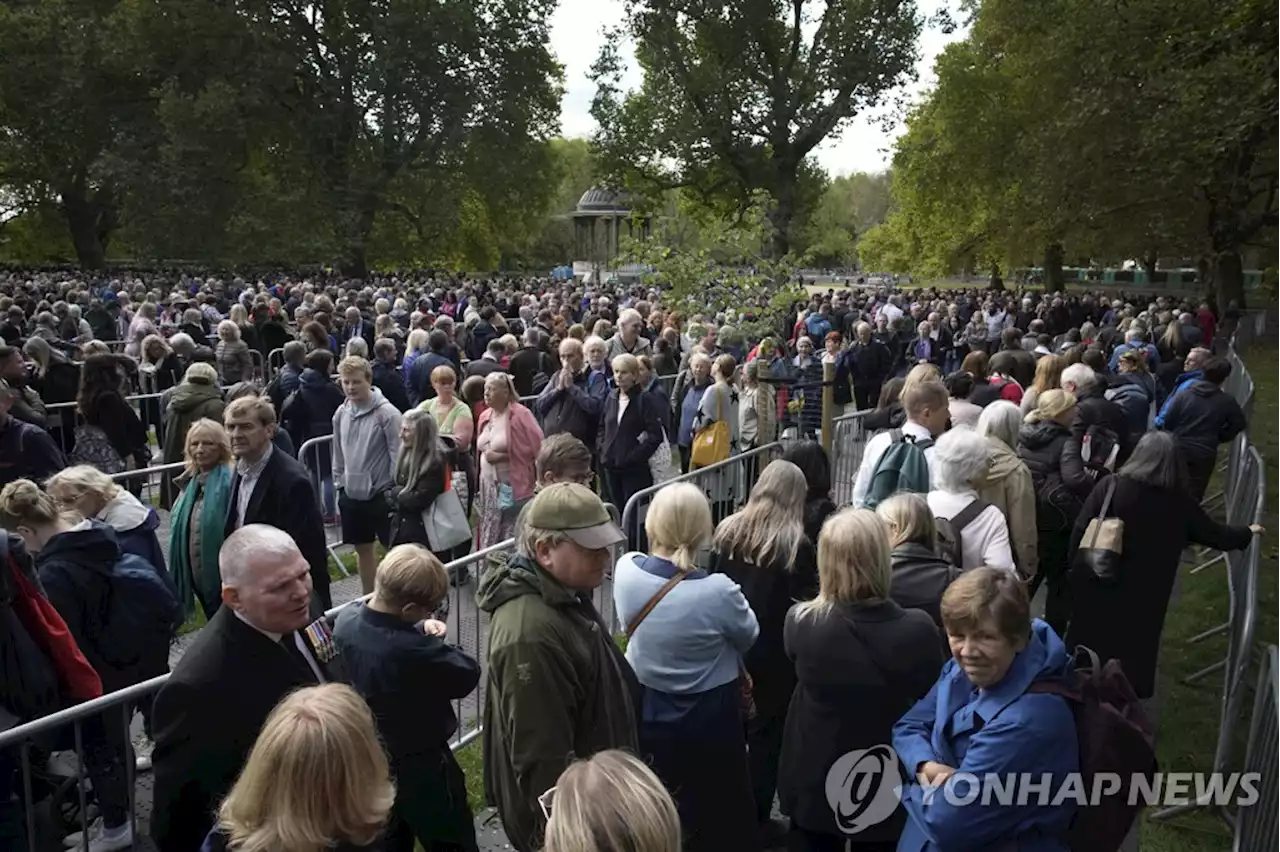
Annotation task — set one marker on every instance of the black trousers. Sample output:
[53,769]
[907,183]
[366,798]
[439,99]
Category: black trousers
[1053,549]
[622,483]
[764,748]
[686,459]
[866,397]
[1199,472]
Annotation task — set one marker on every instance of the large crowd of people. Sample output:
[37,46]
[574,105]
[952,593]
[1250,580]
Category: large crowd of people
[766,631]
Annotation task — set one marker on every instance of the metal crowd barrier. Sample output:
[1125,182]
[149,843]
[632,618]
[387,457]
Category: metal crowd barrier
[275,362]
[1242,584]
[315,457]
[848,444]
[1256,824]
[725,483]
[259,365]
[69,795]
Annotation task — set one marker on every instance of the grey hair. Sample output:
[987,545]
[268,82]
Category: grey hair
[251,546]
[1001,420]
[960,458]
[1081,377]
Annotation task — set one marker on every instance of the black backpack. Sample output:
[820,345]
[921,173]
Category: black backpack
[950,532]
[1115,737]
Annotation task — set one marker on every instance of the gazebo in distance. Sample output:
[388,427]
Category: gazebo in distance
[601,220]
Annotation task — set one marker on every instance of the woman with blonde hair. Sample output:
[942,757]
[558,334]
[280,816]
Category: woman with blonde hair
[1048,376]
[235,364]
[764,549]
[861,661]
[629,434]
[919,575]
[316,780]
[688,631]
[1053,458]
[610,802]
[197,524]
[239,315]
[507,440]
[96,496]
[55,379]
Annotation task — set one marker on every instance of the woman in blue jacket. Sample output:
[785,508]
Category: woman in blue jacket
[979,720]
[96,496]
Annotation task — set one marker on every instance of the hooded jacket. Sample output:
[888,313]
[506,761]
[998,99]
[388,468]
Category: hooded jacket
[1008,487]
[135,527]
[311,413]
[1202,417]
[1001,730]
[1184,380]
[558,689]
[189,402]
[366,443]
[1135,393]
[75,570]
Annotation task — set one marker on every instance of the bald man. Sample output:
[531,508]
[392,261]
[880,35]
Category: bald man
[257,648]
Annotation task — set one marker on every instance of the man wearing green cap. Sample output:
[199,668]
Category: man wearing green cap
[558,687]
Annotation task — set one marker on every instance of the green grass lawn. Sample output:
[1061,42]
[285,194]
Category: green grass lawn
[1189,713]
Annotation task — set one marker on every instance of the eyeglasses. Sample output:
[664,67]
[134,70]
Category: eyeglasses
[545,801]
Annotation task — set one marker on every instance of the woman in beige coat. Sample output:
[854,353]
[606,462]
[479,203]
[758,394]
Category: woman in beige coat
[1008,483]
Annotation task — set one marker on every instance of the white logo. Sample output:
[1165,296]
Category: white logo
[863,788]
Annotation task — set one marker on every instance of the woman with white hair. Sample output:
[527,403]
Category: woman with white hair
[861,661]
[960,461]
[688,631]
[1098,419]
[235,364]
[598,367]
[1007,484]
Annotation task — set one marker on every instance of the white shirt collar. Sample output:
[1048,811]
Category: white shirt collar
[274,637]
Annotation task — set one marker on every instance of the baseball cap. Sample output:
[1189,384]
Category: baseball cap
[576,511]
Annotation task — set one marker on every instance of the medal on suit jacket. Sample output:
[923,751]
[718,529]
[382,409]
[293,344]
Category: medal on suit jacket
[320,638]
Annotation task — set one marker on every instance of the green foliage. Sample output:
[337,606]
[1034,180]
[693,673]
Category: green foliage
[738,93]
[849,208]
[726,267]
[1164,142]
[270,130]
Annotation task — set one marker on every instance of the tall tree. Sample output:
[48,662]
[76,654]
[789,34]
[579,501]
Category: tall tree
[71,94]
[737,94]
[393,94]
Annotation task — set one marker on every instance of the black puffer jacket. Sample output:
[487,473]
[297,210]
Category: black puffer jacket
[1094,409]
[1052,455]
[919,578]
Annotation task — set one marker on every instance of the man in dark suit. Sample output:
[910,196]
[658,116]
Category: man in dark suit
[355,326]
[252,653]
[272,488]
[490,363]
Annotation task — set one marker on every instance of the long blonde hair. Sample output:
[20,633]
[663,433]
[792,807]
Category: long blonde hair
[769,529]
[612,801]
[316,777]
[853,561]
[1049,373]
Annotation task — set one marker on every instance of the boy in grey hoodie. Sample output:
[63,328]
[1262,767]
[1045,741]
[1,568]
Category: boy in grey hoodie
[366,441]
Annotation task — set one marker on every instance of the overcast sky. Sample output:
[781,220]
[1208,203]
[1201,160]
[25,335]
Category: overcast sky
[576,30]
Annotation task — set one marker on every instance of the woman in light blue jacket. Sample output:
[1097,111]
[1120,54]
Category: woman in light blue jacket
[979,721]
[687,633]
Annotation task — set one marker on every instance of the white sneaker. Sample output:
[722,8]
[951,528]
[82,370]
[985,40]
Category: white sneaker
[99,841]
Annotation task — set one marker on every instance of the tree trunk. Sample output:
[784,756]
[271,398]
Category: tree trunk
[996,283]
[1053,254]
[1229,277]
[1149,261]
[90,221]
[780,217]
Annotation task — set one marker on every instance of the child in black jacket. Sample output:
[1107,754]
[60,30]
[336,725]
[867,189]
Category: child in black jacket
[397,658]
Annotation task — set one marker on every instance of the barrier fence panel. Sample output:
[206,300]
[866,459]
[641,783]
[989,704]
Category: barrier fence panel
[275,361]
[1256,824]
[848,443]
[45,805]
[315,457]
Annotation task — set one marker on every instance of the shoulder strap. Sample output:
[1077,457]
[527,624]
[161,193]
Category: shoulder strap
[969,514]
[896,436]
[653,601]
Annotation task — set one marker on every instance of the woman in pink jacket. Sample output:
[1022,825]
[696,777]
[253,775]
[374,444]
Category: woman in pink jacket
[507,441]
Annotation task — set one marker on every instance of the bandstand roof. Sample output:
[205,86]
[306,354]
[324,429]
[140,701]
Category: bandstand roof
[602,201]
